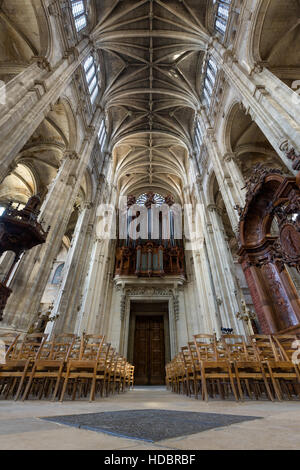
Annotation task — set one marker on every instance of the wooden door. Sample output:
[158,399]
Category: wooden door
[149,350]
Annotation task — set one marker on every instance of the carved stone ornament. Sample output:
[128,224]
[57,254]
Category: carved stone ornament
[291,154]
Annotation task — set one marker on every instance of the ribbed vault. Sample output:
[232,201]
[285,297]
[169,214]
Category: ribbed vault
[152,56]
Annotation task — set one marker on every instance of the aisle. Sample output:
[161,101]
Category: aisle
[250,425]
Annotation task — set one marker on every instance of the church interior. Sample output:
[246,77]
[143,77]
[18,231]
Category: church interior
[150,223]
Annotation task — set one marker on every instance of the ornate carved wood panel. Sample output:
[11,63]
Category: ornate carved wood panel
[270,197]
[149,350]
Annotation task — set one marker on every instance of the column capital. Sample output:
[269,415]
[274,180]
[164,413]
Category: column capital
[42,62]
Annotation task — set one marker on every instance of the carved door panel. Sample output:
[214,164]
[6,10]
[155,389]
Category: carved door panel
[149,350]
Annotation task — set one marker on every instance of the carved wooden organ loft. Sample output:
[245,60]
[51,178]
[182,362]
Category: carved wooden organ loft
[155,252]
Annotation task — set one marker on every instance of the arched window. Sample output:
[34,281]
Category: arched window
[198,136]
[58,274]
[158,199]
[102,135]
[222,15]
[91,75]
[209,80]
[79,14]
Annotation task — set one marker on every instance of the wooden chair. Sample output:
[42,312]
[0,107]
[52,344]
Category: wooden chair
[19,362]
[129,376]
[190,378]
[119,374]
[283,374]
[247,368]
[8,341]
[197,386]
[83,368]
[216,373]
[48,368]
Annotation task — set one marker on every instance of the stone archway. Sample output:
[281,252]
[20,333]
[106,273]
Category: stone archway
[271,196]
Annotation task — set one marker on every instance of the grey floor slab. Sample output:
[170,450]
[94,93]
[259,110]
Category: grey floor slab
[150,425]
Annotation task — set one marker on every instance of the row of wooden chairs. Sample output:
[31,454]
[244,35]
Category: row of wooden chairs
[261,366]
[66,364]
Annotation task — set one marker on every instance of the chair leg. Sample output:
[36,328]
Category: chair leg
[65,385]
[238,382]
[28,386]
[57,383]
[232,383]
[21,381]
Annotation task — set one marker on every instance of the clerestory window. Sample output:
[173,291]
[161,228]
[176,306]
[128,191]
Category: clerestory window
[91,75]
[79,14]
[209,80]
[222,15]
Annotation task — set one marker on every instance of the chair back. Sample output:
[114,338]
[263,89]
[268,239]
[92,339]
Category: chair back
[205,345]
[28,348]
[235,347]
[265,347]
[59,348]
[9,340]
[286,345]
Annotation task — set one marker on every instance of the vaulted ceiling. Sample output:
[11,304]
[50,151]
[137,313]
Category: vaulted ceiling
[152,55]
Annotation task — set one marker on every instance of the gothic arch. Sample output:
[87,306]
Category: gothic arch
[274,39]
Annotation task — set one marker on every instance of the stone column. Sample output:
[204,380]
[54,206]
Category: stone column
[222,271]
[227,174]
[208,302]
[67,301]
[27,105]
[91,315]
[264,101]
[33,272]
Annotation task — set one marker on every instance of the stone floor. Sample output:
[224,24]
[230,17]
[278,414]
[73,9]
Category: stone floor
[22,425]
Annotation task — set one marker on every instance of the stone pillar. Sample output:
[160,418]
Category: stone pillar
[264,101]
[222,271]
[28,103]
[66,303]
[208,302]
[227,174]
[33,272]
[91,313]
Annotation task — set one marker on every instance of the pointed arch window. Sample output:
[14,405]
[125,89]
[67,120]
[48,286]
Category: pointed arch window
[58,274]
[79,14]
[222,15]
[209,80]
[102,135]
[91,75]
[198,136]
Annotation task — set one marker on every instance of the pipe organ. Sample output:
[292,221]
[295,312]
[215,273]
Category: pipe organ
[150,245]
